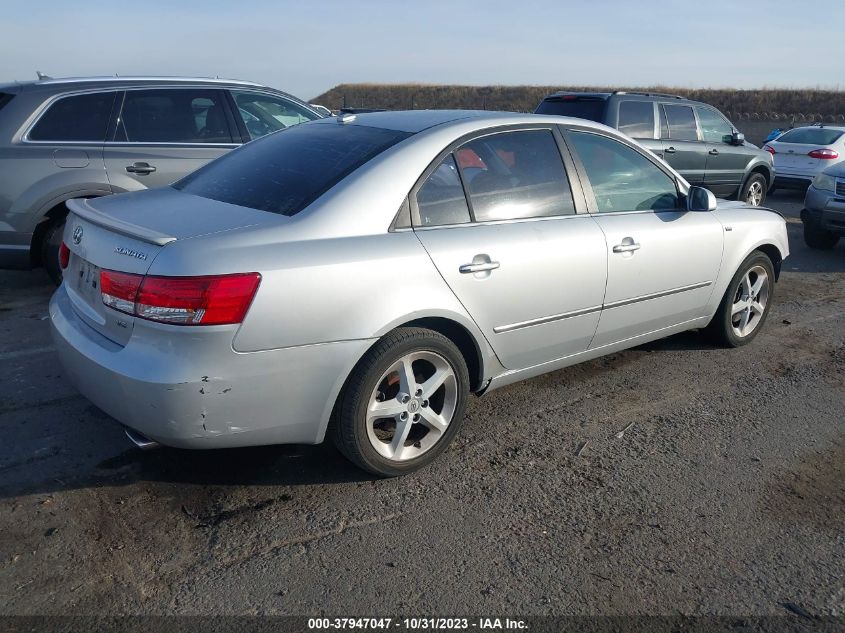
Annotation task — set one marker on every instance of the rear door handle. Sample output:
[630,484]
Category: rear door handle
[713,152]
[626,247]
[140,168]
[478,268]
[670,150]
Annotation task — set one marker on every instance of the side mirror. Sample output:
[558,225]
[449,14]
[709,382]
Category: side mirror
[737,138]
[700,199]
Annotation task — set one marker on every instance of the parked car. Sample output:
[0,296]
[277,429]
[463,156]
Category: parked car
[824,208]
[90,137]
[359,276]
[694,138]
[804,152]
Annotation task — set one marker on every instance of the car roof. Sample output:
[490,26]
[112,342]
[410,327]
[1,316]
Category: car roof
[825,126]
[617,93]
[117,81]
[413,121]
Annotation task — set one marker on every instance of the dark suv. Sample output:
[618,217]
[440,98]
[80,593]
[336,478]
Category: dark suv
[694,138]
[94,136]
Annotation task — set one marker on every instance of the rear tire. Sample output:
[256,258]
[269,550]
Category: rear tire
[746,303]
[50,243]
[818,238]
[418,419]
[754,190]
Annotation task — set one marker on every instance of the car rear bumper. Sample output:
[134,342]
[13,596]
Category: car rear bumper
[170,390]
[14,249]
[785,181]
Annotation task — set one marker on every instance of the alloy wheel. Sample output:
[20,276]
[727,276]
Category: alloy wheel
[412,405]
[754,196]
[750,300]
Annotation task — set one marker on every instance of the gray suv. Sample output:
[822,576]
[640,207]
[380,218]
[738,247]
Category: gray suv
[694,138]
[89,137]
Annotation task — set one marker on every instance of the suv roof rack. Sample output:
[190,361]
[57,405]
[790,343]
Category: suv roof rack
[647,94]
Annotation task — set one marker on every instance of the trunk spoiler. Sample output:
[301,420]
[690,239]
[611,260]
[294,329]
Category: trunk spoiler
[84,210]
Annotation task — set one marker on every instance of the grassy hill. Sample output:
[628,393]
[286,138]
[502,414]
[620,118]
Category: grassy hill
[770,104]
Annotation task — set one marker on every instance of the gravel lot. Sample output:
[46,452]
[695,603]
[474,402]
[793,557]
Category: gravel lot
[725,495]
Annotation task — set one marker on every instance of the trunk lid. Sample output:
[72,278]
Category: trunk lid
[794,157]
[126,233]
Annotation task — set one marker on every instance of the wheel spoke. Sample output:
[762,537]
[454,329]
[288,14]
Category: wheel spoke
[747,283]
[397,444]
[738,307]
[388,409]
[758,308]
[743,322]
[758,285]
[407,381]
[433,421]
[430,386]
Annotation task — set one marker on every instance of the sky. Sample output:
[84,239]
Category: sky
[305,47]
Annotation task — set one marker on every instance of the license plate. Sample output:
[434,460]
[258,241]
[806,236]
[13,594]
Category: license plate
[87,282]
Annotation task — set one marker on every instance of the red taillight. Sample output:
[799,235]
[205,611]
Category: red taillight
[64,256]
[770,149]
[824,154]
[211,300]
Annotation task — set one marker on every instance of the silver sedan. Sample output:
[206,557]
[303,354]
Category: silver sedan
[360,276]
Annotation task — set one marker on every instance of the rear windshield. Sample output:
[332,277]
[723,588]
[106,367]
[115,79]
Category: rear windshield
[286,171]
[579,107]
[4,99]
[811,136]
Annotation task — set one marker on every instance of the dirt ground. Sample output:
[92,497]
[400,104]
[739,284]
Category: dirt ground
[724,495]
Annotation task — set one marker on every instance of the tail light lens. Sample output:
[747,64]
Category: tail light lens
[210,300]
[64,256]
[770,149]
[824,154]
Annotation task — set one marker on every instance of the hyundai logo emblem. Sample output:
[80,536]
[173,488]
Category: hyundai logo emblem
[77,234]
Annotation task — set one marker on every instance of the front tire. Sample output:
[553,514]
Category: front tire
[818,238]
[754,191]
[403,403]
[746,302]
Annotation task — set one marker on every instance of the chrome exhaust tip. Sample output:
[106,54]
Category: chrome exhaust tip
[142,442]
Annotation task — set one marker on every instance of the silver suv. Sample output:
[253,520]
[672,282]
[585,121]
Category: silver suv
[90,137]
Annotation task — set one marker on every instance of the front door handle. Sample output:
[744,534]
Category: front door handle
[140,168]
[713,152]
[628,245]
[478,268]
[670,150]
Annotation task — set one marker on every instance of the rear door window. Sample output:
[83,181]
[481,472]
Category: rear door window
[285,172]
[623,179]
[78,118]
[636,119]
[174,115]
[441,199]
[515,175]
[263,113]
[681,122]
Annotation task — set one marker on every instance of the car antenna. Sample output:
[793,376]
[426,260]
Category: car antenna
[42,75]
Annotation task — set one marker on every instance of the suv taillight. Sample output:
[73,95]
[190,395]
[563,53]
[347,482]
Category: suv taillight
[824,154]
[209,300]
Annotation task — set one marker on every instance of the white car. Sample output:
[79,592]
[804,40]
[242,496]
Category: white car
[802,153]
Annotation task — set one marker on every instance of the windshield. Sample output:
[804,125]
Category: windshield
[811,136]
[285,172]
[591,108]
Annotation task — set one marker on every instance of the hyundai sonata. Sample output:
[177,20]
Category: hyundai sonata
[360,276]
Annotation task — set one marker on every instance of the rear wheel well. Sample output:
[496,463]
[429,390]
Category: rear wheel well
[771,251]
[465,342]
[760,169]
[57,212]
